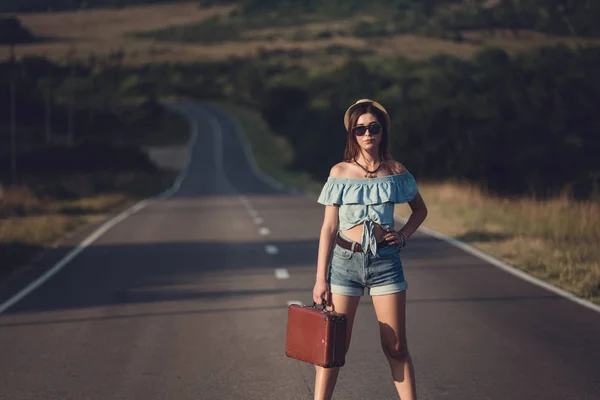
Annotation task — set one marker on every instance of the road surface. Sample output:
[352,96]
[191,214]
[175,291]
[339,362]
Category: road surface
[187,299]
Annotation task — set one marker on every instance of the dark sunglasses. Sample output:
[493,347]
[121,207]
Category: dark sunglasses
[374,128]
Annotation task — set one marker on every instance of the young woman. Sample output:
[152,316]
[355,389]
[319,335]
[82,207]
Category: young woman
[359,247]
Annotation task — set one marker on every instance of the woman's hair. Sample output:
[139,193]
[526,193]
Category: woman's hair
[352,146]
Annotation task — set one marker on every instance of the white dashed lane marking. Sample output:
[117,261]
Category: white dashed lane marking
[282,273]
[264,231]
[259,220]
[272,250]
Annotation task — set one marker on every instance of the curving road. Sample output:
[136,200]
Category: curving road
[185,297]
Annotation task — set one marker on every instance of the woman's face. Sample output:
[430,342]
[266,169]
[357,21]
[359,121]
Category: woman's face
[368,141]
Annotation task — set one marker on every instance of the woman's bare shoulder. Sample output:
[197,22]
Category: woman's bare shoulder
[339,170]
[397,167]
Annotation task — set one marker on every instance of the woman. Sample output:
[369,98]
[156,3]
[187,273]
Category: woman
[358,229]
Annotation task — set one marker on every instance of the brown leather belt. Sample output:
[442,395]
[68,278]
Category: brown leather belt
[357,246]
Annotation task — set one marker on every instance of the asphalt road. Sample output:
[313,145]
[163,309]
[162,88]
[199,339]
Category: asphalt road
[182,300]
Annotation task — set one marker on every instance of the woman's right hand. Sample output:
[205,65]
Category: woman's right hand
[320,291]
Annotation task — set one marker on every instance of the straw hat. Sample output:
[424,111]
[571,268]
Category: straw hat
[374,103]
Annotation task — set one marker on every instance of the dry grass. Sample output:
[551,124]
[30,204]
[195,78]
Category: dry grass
[101,32]
[29,224]
[421,47]
[46,220]
[142,51]
[524,40]
[31,219]
[310,29]
[555,240]
[113,23]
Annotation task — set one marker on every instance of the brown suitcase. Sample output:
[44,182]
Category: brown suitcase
[316,335]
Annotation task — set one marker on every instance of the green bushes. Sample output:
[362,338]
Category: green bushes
[516,125]
[87,157]
[523,124]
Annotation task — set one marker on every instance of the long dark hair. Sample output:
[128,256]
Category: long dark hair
[352,146]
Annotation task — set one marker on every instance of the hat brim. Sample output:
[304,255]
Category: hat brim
[362,101]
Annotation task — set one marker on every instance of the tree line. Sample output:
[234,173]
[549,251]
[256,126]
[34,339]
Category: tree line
[526,124]
[73,117]
[437,18]
[522,124]
[559,17]
[516,125]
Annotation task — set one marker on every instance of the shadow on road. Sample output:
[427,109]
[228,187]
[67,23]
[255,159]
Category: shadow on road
[112,275]
[142,273]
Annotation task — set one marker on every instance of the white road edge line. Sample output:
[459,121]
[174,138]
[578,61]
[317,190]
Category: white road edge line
[135,208]
[505,267]
[243,199]
[107,225]
[469,249]
[282,273]
[218,136]
[250,156]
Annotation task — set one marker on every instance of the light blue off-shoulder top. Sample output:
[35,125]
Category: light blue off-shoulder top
[368,201]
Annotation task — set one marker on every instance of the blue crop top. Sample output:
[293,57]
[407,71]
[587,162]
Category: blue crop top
[368,201]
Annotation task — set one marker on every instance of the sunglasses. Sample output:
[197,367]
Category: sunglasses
[374,128]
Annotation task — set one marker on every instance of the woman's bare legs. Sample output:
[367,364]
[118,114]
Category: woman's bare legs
[326,378]
[390,311]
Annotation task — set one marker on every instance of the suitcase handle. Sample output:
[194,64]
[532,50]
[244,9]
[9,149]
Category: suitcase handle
[323,306]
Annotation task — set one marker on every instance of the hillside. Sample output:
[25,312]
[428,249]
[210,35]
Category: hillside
[302,33]
[27,6]
[560,17]
[486,93]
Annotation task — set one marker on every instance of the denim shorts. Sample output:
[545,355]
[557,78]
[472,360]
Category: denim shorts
[351,272]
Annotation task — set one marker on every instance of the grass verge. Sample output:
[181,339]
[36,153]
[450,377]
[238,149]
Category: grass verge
[271,152]
[555,240]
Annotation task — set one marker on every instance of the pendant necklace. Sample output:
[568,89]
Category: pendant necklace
[369,174]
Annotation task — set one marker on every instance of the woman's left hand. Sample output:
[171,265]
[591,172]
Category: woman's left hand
[393,237]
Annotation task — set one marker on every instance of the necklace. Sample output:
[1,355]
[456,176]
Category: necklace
[369,174]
